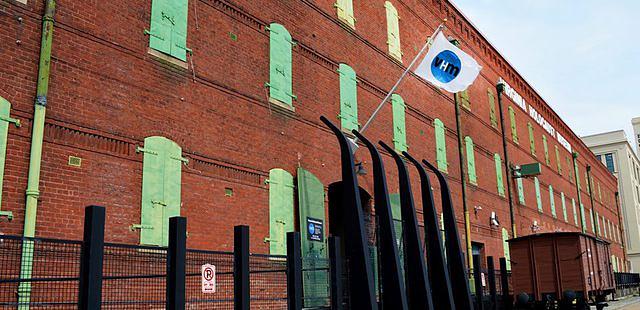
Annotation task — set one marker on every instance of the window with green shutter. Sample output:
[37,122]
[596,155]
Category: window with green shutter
[396,213]
[441,145]
[575,211]
[599,193]
[348,98]
[499,177]
[559,163]
[280,59]
[393,31]
[399,127]
[552,202]
[168,32]
[546,150]
[520,191]
[161,185]
[492,108]
[505,247]
[5,119]
[564,206]
[345,12]
[532,141]
[465,100]
[471,161]
[593,225]
[586,180]
[583,217]
[514,127]
[281,219]
[598,223]
[538,194]
[569,169]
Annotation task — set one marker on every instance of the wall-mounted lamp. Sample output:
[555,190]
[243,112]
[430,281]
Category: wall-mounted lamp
[360,169]
[476,209]
[493,220]
[534,227]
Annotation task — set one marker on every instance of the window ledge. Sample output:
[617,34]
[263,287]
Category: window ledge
[280,107]
[168,59]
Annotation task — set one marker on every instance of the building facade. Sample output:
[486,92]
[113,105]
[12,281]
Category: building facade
[615,153]
[210,110]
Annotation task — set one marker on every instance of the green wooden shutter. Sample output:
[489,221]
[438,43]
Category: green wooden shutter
[599,193]
[559,163]
[5,119]
[399,128]
[345,11]
[169,27]
[538,195]
[598,224]
[569,169]
[586,181]
[161,186]
[393,31]
[505,247]
[575,211]
[532,141]
[546,150]
[492,109]
[564,206]
[499,177]
[615,263]
[593,224]
[583,217]
[552,201]
[311,210]
[441,145]
[280,76]
[520,191]
[348,98]
[514,127]
[471,161]
[281,219]
[465,101]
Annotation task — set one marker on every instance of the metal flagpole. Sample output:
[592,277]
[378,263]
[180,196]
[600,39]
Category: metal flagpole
[393,89]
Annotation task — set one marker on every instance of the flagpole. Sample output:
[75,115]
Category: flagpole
[404,74]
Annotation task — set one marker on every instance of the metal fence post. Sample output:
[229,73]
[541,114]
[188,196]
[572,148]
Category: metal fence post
[176,259]
[241,268]
[335,261]
[492,283]
[294,271]
[477,270]
[90,283]
[504,283]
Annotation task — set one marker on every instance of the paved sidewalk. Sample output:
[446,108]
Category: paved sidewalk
[629,303]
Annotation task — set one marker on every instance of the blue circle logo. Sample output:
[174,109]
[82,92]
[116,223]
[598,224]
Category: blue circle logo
[312,228]
[446,66]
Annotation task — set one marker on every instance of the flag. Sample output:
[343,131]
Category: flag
[447,66]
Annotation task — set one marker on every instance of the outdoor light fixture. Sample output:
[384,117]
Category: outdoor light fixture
[535,228]
[476,209]
[493,220]
[360,169]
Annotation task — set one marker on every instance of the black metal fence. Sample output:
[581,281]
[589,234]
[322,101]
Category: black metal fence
[627,284]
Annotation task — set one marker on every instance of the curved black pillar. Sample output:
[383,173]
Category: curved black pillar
[416,277]
[438,273]
[361,286]
[394,295]
[455,256]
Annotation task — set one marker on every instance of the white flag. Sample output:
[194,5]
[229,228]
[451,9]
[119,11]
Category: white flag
[447,66]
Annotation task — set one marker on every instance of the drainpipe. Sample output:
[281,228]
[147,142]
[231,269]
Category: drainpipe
[32,192]
[593,215]
[576,174]
[507,165]
[622,232]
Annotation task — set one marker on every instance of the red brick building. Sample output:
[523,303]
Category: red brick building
[197,102]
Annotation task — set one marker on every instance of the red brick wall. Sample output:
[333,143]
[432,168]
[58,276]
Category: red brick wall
[107,94]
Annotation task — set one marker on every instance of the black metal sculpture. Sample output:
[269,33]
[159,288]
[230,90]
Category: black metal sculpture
[361,285]
[416,276]
[394,295]
[438,273]
[455,258]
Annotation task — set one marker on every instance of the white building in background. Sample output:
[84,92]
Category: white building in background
[615,152]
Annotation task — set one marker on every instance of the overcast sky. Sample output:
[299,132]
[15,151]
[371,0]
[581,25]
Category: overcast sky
[583,57]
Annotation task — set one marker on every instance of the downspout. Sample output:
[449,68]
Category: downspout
[583,218]
[622,231]
[507,165]
[465,208]
[593,215]
[32,192]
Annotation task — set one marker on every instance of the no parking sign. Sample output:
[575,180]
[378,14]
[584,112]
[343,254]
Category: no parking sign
[208,278]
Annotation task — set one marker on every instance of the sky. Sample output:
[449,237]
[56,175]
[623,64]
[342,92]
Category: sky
[582,57]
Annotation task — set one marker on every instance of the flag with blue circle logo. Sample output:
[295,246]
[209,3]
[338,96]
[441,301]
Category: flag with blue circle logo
[447,66]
